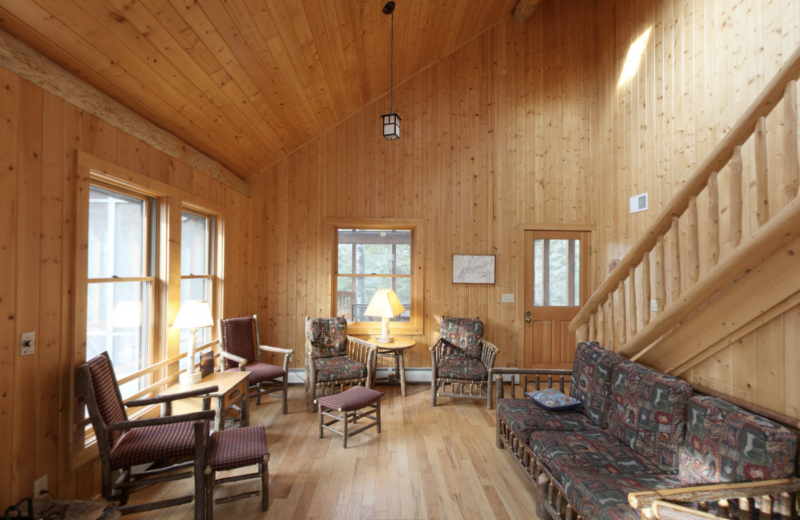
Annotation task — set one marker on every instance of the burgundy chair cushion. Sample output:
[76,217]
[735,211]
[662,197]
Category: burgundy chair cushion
[260,372]
[240,339]
[328,336]
[462,337]
[339,369]
[105,393]
[155,443]
[237,448]
[354,398]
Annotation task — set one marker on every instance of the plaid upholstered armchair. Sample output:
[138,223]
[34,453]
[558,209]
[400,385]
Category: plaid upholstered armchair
[124,443]
[335,359]
[462,359]
[241,350]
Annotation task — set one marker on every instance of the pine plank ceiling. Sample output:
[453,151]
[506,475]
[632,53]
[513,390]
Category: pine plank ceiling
[245,81]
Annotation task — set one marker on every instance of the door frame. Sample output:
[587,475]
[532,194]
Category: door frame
[519,297]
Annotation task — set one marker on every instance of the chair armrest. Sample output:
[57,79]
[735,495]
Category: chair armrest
[233,357]
[277,350]
[669,511]
[498,372]
[172,397]
[714,492]
[359,350]
[159,421]
[488,354]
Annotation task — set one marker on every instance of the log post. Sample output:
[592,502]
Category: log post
[736,197]
[646,289]
[675,253]
[661,275]
[693,243]
[762,172]
[623,321]
[713,218]
[601,326]
[791,161]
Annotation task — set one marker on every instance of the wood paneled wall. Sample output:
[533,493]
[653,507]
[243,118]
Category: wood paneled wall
[39,137]
[496,134]
[703,63]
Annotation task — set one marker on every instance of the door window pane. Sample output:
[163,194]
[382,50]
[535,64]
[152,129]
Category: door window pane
[117,322]
[556,273]
[116,234]
[194,245]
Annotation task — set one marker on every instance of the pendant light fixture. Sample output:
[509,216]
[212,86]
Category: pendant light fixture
[391,121]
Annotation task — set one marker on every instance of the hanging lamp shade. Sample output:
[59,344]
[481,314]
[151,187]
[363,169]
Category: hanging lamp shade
[391,126]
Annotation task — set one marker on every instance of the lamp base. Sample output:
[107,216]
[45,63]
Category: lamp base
[190,378]
[384,339]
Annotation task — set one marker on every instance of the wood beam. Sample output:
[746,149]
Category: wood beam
[525,9]
[28,64]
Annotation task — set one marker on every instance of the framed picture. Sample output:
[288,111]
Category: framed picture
[473,268]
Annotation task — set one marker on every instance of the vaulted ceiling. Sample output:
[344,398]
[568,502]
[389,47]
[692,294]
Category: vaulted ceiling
[244,81]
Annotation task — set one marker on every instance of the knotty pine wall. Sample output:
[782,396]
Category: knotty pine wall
[496,134]
[704,62]
[39,138]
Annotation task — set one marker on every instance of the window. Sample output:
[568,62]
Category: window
[197,269]
[556,273]
[120,291]
[371,258]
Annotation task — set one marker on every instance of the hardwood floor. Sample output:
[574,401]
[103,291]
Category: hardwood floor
[427,463]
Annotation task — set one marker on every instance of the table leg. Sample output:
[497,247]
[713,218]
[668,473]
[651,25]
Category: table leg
[402,368]
[397,363]
[245,406]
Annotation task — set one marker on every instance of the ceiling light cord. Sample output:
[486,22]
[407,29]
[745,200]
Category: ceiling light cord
[391,84]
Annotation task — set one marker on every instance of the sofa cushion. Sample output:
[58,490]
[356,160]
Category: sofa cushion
[462,337]
[524,416]
[462,368]
[725,443]
[339,368]
[591,380]
[605,497]
[328,336]
[648,413]
[590,451]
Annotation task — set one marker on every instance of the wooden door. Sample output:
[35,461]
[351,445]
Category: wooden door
[556,286]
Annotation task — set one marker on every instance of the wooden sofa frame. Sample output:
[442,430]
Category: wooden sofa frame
[778,495]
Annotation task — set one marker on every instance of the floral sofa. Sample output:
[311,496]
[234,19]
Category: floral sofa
[641,436]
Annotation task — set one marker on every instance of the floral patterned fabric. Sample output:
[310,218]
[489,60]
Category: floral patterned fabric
[591,380]
[339,368]
[553,399]
[594,451]
[462,368]
[727,444]
[524,416]
[463,337]
[328,336]
[605,497]
[648,413]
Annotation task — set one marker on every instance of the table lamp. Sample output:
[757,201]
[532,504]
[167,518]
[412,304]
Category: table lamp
[194,314]
[385,305]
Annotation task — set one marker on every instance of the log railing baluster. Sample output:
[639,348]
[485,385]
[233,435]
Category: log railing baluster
[791,161]
[762,172]
[713,218]
[592,331]
[623,322]
[736,197]
[661,275]
[601,326]
[645,289]
[693,243]
[612,333]
[632,301]
[675,254]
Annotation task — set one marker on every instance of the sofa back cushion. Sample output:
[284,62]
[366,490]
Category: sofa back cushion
[648,413]
[328,336]
[462,337]
[727,444]
[591,380]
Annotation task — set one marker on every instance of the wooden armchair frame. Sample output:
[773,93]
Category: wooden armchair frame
[357,350]
[488,356]
[265,387]
[119,490]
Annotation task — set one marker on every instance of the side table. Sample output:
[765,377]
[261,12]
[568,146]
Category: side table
[233,390]
[395,350]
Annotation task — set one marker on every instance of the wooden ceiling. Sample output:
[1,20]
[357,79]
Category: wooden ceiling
[245,81]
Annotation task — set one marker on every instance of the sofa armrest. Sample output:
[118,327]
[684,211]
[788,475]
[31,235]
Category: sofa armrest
[524,373]
[713,492]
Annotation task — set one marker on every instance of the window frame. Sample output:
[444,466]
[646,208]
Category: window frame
[413,327]
[211,259]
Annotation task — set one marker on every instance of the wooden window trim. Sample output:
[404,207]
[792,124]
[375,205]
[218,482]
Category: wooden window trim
[410,328]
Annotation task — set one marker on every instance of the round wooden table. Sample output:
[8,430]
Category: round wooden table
[395,350]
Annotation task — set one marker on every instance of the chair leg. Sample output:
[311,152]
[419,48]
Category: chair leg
[285,393]
[320,422]
[344,437]
[209,477]
[199,471]
[264,469]
[258,393]
[433,392]
[378,415]
[312,396]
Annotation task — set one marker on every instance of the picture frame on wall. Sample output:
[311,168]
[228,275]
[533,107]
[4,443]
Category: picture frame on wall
[474,269]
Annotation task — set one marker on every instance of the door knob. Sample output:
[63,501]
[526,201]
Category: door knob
[528,313]
[527,320]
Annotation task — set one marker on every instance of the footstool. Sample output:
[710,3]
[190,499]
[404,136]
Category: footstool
[350,403]
[231,449]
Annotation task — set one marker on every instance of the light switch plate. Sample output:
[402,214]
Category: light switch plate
[653,305]
[27,343]
[508,298]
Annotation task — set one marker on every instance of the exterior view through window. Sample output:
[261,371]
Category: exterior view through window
[556,273]
[197,270]
[120,291]
[368,260]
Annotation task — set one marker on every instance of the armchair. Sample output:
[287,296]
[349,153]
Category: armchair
[240,349]
[462,359]
[125,443]
[335,359]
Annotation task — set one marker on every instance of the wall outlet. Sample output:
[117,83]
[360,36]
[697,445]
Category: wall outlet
[639,203]
[653,305]
[27,343]
[508,298]
[39,487]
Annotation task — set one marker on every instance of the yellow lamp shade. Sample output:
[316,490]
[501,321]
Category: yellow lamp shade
[385,304]
[194,314]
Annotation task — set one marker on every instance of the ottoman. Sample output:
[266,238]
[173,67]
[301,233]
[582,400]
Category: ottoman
[231,449]
[351,404]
